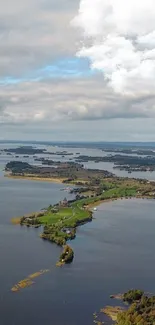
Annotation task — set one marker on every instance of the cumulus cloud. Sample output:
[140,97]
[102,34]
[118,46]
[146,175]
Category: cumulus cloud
[82,99]
[36,38]
[119,41]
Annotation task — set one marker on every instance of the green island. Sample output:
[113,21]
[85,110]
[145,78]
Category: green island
[66,256]
[138,310]
[93,187]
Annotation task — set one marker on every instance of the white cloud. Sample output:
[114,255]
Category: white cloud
[53,101]
[33,33]
[119,40]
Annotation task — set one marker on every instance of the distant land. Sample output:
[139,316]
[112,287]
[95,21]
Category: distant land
[83,144]
[129,158]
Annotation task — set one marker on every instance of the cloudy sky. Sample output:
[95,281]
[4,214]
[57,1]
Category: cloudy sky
[77,71]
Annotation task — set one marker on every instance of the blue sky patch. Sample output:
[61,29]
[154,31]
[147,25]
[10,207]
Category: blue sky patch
[62,68]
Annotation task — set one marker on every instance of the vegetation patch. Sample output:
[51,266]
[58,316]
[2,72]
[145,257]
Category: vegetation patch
[67,255]
[140,311]
[27,282]
[133,295]
[112,312]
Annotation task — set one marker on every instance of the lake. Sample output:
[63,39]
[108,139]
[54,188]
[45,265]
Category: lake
[75,153]
[113,253]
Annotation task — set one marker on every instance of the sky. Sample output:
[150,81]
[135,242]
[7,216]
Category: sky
[74,70]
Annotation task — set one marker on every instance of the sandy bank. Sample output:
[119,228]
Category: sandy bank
[112,312]
[97,203]
[37,178]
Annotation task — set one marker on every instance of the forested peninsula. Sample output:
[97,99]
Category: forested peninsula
[139,309]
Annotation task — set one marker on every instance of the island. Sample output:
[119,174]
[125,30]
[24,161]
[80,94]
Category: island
[57,170]
[66,256]
[138,310]
[29,150]
[133,150]
[128,159]
[130,163]
[24,150]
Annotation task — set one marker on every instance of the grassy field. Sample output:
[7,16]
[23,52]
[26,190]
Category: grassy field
[53,218]
[78,211]
[59,222]
[61,226]
[66,216]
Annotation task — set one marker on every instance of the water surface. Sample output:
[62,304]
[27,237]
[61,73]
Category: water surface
[113,253]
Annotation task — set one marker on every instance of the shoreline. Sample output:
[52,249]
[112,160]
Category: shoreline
[112,312]
[36,178]
[96,204]
[16,220]
[100,202]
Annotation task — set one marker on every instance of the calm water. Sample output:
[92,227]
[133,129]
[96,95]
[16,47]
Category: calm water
[113,253]
[75,153]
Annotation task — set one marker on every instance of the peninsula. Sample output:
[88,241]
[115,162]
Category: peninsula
[93,187]
[139,310]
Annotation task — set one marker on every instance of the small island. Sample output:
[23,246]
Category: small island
[24,150]
[66,256]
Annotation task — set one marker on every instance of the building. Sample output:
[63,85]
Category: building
[67,231]
[64,203]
